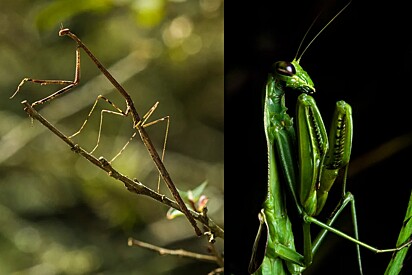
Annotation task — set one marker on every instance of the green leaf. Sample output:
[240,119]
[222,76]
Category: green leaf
[198,191]
[191,197]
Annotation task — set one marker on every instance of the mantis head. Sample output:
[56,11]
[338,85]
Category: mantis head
[292,75]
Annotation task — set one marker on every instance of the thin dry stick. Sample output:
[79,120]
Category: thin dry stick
[137,122]
[173,252]
[133,186]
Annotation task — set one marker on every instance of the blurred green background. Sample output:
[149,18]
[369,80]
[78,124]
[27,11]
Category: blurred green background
[58,213]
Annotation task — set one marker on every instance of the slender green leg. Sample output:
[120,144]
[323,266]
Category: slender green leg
[402,245]
[346,236]
[347,197]
[310,248]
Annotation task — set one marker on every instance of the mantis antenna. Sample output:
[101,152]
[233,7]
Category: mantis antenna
[304,37]
[316,36]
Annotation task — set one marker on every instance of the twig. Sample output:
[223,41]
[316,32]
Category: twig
[132,185]
[173,252]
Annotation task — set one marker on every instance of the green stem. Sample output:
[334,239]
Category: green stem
[396,263]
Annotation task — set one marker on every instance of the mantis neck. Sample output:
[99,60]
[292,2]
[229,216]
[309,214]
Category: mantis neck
[276,117]
[275,100]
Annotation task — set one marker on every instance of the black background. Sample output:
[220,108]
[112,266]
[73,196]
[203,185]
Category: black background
[364,58]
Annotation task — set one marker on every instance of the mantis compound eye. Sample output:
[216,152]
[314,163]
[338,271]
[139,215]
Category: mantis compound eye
[285,68]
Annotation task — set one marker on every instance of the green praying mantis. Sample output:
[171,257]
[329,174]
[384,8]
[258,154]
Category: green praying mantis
[305,163]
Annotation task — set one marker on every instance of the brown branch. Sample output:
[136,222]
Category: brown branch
[132,185]
[174,252]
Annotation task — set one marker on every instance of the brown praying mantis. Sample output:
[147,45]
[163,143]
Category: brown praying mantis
[139,123]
